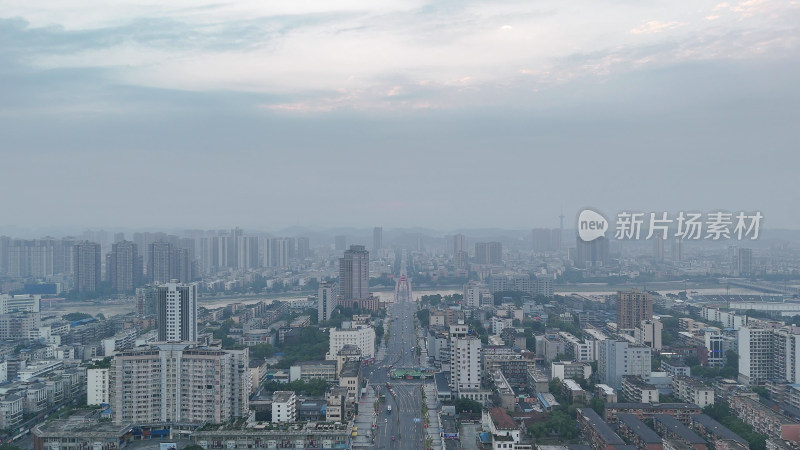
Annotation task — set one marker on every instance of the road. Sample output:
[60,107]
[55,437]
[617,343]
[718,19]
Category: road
[405,397]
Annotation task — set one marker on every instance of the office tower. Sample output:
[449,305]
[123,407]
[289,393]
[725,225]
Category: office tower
[177,312]
[179,383]
[459,243]
[303,248]
[618,358]
[658,246]
[632,308]
[124,267]
[119,237]
[354,273]
[591,254]
[744,262]
[86,266]
[489,253]
[326,300]
[377,239]
[677,243]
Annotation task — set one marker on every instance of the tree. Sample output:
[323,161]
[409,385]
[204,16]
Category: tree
[465,405]
[261,351]
[75,316]
[193,447]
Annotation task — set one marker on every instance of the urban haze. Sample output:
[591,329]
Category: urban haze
[399,225]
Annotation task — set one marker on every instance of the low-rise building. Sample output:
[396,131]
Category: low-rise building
[646,411]
[763,419]
[596,432]
[718,434]
[284,407]
[634,389]
[692,390]
[670,428]
[637,433]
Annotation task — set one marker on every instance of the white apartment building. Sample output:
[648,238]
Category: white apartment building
[465,363]
[284,407]
[472,295]
[649,333]
[691,390]
[179,382]
[361,336]
[579,350]
[769,353]
[729,319]
[19,303]
[500,324]
[618,358]
[97,389]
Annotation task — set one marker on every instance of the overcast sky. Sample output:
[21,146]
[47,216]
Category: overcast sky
[442,114]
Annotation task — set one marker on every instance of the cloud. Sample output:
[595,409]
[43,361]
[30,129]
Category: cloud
[655,26]
[355,54]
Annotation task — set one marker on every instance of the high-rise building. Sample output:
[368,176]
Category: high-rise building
[649,333]
[618,358]
[86,266]
[248,253]
[303,248]
[177,312]
[591,254]
[5,243]
[677,243]
[546,240]
[179,383]
[769,354]
[459,243]
[159,263]
[146,301]
[168,262]
[124,267]
[632,308]
[489,253]
[326,300]
[465,359]
[658,246]
[354,273]
[744,262]
[377,239]
[340,243]
[97,389]
[119,237]
[279,252]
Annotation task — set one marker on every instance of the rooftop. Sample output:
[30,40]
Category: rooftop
[600,427]
[282,396]
[716,428]
[501,419]
[678,429]
[645,433]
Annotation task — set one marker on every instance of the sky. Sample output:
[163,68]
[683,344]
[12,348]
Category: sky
[441,114]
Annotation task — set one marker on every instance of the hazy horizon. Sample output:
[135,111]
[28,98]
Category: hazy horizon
[456,115]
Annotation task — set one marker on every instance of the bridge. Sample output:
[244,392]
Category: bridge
[402,289]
